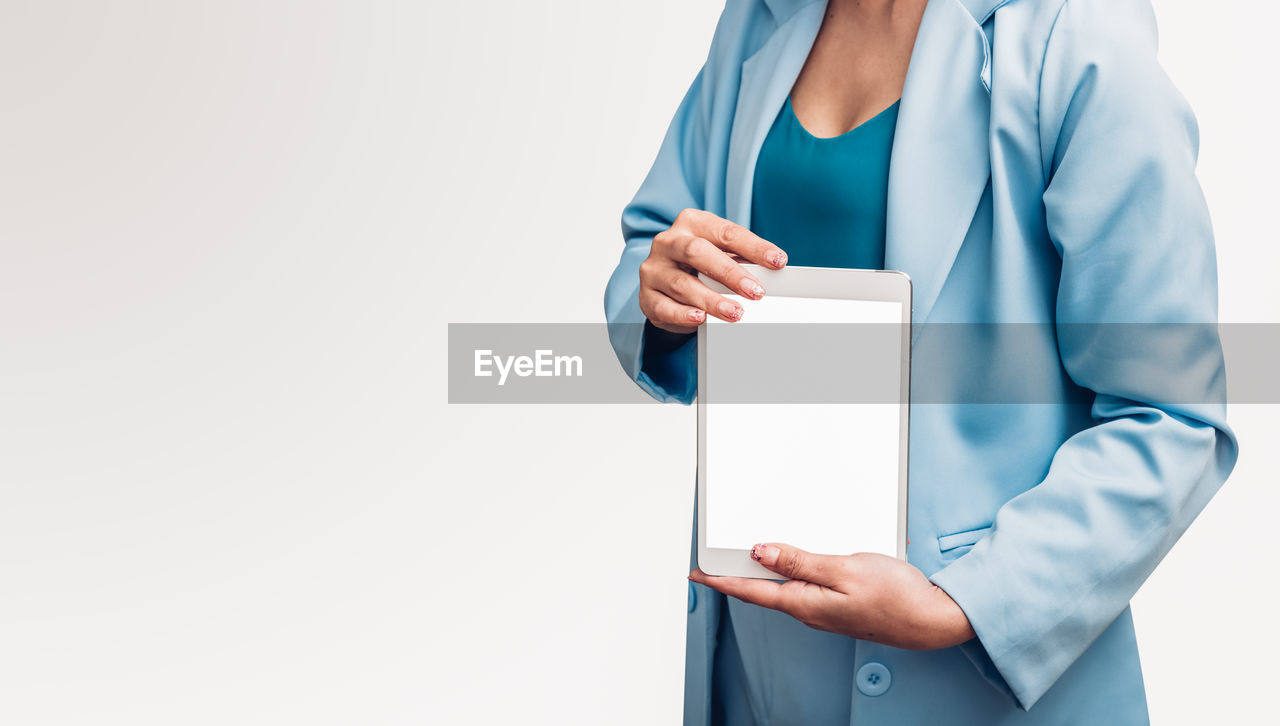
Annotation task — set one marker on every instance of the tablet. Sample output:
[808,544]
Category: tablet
[803,418]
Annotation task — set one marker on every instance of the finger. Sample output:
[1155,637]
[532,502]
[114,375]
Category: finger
[688,289]
[765,593]
[809,603]
[795,563]
[705,257]
[733,237]
[668,314]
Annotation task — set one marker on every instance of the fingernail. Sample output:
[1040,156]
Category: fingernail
[731,311]
[697,316]
[752,289]
[764,554]
[778,259]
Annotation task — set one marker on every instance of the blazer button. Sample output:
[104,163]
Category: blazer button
[873,679]
[693,597]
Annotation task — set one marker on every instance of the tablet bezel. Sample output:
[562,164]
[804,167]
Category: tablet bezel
[808,282]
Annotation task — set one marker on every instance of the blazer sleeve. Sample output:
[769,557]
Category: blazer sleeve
[1136,318]
[661,363]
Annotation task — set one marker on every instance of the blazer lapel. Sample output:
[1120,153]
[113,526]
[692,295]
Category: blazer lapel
[941,158]
[767,77]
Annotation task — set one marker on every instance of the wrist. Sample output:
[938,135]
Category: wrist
[953,626]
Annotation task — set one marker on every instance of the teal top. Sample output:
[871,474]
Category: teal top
[824,200]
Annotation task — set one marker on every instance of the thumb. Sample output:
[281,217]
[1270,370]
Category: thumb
[796,564]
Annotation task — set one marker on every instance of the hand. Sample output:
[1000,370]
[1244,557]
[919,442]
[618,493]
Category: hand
[672,297]
[865,596]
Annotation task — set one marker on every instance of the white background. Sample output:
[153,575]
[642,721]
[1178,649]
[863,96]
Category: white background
[231,490]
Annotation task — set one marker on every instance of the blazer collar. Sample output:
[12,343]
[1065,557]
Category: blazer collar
[982,10]
[940,164]
[783,9]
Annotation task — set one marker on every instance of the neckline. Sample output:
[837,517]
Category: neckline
[790,110]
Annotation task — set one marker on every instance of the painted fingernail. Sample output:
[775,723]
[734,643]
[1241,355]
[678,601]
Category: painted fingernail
[731,311]
[778,259]
[764,553]
[751,289]
[697,315]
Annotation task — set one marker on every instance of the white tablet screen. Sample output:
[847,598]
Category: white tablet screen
[821,476]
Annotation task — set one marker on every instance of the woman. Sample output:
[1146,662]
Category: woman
[1024,161]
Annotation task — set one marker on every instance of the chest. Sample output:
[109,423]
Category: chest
[857,65]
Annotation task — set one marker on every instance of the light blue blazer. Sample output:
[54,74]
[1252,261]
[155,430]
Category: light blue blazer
[1043,172]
